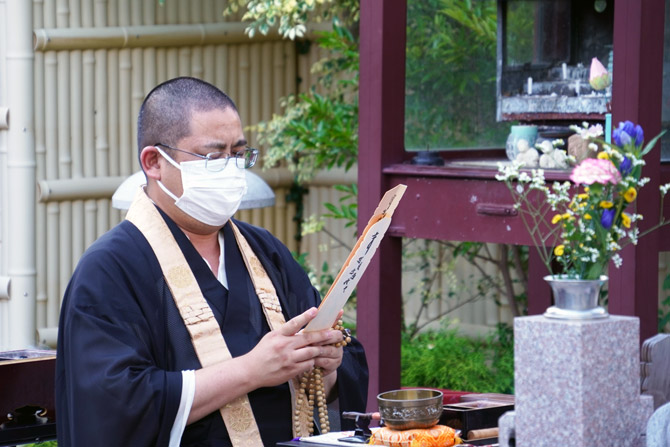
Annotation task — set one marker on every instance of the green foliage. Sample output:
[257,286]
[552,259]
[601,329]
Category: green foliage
[348,208]
[664,308]
[290,16]
[43,444]
[319,130]
[446,360]
[520,32]
[450,75]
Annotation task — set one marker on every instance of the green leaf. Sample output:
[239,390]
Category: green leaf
[666,282]
[651,144]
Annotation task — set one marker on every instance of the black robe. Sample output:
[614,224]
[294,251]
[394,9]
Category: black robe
[122,344]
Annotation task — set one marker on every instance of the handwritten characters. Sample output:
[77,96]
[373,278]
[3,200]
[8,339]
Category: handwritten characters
[353,273]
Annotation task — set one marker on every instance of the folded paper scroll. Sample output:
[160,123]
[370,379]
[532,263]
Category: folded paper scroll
[358,260]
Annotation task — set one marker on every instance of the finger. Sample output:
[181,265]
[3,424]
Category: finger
[317,338]
[293,325]
[327,365]
[330,352]
[307,353]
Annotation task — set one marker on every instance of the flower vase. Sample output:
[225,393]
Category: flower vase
[527,133]
[575,299]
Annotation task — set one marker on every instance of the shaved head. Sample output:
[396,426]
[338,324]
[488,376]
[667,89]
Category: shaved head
[165,115]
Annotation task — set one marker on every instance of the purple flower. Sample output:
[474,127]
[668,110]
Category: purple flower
[626,166]
[607,218]
[627,126]
[639,135]
[620,136]
[627,132]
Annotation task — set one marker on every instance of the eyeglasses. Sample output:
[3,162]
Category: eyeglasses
[217,161]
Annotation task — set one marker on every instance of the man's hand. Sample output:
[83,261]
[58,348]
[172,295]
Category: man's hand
[281,355]
[287,352]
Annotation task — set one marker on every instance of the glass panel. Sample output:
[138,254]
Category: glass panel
[537,32]
[450,86]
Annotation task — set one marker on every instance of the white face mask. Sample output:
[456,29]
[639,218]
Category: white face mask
[209,197]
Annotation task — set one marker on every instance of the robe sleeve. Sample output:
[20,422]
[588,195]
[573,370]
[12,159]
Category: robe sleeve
[110,387]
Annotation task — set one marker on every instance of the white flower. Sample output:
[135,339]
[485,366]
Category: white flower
[664,188]
[617,260]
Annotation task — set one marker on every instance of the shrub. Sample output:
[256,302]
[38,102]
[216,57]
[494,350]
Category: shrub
[445,359]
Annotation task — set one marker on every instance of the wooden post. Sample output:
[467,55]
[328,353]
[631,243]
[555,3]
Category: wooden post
[637,83]
[381,143]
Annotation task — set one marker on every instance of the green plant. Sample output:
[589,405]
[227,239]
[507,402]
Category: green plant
[319,130]
[290,16]
[445,359]
[664,308]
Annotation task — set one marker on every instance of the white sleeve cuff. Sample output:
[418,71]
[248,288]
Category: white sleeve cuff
[187,395]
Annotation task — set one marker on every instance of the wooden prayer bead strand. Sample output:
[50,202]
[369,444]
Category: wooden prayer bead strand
[302,394]
[312,387]
[321,406]
[312,394]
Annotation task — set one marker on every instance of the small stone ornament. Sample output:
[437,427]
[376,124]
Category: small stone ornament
[552,158]
[526,154]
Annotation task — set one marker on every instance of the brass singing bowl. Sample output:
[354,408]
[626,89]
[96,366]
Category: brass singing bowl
[405,409]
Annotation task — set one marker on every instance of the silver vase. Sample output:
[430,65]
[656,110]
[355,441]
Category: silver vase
[575,299]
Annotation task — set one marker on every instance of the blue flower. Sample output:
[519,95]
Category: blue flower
[626,133]
[607,218]
[639,135]
[626,166]
[628,127]
[620,137]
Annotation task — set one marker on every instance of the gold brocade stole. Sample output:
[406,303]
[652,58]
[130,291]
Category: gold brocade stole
[206,336]
[302,413]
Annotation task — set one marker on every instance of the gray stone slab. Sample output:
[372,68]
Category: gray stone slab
[578,380]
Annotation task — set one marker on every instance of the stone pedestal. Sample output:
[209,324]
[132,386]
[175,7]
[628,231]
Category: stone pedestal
[577,383]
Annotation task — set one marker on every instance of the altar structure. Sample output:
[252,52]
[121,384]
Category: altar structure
[485,210]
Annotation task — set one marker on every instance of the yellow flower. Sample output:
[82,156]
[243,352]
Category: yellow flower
[587,189]
[625,220]
[587,216]
[566,216]
[559,250]
[583,196]
[603,156]
[630,194]
[556,219]
[606,204]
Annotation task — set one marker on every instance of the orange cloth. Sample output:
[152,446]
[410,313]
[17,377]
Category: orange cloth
[437,436]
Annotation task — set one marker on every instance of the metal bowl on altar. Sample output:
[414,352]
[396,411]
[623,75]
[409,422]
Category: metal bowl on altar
[411,408]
